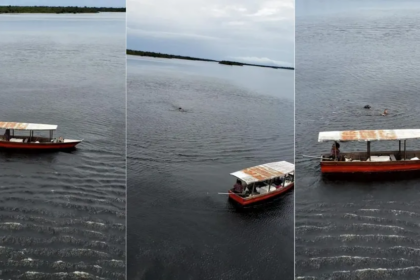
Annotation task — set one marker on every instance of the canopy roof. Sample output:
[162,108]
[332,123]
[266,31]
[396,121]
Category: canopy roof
[27,126]
[369,135]
[264,172]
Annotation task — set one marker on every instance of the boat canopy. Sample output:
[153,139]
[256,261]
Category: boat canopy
[369,135]
[27,126]
[264,172]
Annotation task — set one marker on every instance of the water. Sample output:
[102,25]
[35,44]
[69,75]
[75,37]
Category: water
[360,228]
[63,214]
[232,118]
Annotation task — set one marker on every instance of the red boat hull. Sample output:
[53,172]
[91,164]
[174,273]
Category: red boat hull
[370,167]
[38,146]
[260,198]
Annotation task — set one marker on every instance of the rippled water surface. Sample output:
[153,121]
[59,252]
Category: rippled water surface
[62,215]
[363,227]
[178,161]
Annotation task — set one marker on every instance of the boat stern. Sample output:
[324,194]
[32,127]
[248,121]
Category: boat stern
[236,198]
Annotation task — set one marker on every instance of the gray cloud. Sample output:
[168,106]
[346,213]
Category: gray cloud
[263,30]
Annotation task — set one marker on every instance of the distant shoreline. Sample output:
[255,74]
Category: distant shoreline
[225,62]
[56,10]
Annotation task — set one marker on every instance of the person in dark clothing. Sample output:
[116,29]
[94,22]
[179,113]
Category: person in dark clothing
[335,151]
[238,188]
[6,135]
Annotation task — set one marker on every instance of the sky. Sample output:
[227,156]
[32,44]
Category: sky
[82,3]
[251,31]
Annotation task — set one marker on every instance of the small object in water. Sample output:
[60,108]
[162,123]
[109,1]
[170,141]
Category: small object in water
[385,112]
[367,107]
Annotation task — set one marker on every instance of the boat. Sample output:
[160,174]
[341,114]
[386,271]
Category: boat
[11,140]
[263,182]
[397,160]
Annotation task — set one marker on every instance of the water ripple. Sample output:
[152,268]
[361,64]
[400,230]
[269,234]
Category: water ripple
[62,215]
[356,228]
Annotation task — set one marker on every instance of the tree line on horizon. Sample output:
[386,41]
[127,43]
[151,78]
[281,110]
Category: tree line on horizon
[56,9]
[225,62]
[163,55]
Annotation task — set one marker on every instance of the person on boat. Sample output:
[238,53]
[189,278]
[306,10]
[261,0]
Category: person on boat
[335,151]
[385,112]
[248,189]
[278,181]
[238,188]
[7,135]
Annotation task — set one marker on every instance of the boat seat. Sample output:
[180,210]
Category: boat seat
[379,158]
[392,157]
[16,140]
[265,189]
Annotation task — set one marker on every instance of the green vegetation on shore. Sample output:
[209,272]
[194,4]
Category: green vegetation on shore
[55,10]
[232,63]
[162,55]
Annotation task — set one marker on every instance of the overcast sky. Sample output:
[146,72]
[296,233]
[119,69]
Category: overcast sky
[256,31]
[89,3]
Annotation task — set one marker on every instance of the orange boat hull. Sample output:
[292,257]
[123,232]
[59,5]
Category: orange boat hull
[370,167]
[261,198]
[38,146]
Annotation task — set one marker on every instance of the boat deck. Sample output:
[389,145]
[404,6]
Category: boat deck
[265,190]
[381,156]
[25,139]
[35,140]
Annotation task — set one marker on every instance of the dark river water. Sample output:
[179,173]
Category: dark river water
[356,228]
[232,118]
[62,215]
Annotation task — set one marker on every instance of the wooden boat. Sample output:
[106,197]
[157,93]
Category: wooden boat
[263,182]
[9,140]
[371,162]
